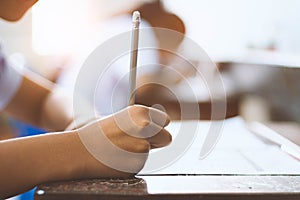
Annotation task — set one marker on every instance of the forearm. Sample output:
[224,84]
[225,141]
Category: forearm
[26,162]
[37,103]
[57,111]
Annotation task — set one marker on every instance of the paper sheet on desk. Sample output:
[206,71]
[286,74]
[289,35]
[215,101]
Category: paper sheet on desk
[238,151]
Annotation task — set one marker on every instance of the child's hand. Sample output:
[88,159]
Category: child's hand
[119,145]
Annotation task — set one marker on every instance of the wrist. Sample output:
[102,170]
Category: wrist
[65,159]
[75,159]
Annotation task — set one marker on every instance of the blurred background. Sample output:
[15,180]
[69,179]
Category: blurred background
[222,28]
[254,43]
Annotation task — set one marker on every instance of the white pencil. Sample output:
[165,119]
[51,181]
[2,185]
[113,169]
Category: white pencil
[136,19]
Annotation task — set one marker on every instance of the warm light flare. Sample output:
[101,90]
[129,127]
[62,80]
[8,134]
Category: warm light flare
[59,26]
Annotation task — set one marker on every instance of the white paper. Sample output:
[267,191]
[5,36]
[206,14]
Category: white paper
[238,151]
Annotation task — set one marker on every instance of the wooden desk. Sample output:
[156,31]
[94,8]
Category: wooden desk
[209,187]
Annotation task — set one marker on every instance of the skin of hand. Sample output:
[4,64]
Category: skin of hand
[27,162]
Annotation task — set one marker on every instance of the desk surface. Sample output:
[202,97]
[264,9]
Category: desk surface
[208,187]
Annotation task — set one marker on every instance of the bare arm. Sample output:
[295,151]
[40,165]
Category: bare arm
[35,103]
[26,162]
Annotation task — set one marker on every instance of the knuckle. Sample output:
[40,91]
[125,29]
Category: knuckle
[141,111]
[145,123]
[169,138]
[142,146]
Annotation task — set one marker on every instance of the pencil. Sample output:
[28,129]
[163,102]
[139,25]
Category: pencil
[136,19]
